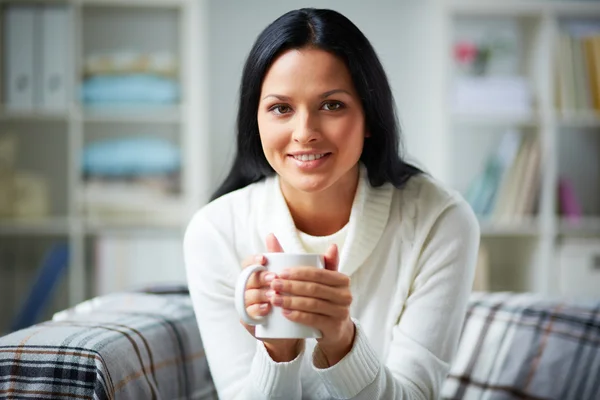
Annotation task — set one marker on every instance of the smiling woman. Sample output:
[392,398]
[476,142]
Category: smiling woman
[318,170]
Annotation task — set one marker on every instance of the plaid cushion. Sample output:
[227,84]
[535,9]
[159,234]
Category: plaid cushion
[527,347]
[131,345]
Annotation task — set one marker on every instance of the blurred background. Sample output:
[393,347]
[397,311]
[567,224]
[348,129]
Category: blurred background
[117,122]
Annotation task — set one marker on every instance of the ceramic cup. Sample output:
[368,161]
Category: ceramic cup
[275,325]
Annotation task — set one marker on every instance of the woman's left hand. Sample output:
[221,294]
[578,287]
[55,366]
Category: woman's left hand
[319,298]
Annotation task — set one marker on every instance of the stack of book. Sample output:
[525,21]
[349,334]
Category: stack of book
[508,187]
[578,68]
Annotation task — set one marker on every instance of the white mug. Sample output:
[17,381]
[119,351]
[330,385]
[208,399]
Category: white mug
[275,325]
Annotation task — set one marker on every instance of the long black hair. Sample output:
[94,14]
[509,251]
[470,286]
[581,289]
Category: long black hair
[330,31]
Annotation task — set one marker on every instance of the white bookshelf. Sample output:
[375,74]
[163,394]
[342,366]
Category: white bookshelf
[524,253]
[177,26]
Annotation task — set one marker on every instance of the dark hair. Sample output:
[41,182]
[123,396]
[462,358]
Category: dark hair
[330,31]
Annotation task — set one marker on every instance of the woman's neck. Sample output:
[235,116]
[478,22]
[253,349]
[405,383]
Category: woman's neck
[325,212]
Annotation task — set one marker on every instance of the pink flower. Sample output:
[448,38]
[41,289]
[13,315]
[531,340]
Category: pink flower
[465,52]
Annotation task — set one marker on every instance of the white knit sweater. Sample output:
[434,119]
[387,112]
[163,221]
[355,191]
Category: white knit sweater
[411,256]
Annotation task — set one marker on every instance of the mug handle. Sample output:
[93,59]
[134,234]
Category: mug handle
[240,289]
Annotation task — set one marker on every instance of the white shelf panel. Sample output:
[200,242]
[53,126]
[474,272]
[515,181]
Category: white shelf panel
[131,226]
[132,3]
[478,8]
[495,120]
[585,9]
[525,8]
[33,115]
[44,226]
[150,114]
[578,119]
[527,227]
[583,226]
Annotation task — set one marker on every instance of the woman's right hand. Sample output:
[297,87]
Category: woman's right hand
[258,304]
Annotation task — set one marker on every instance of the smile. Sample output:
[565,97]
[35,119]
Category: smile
[308,157]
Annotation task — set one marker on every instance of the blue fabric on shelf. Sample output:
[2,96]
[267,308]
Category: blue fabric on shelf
[131,156]
[129,89]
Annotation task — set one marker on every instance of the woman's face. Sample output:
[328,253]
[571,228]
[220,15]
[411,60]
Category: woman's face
[311,121]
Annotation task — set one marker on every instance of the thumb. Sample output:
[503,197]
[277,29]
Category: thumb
[332,258]
[273,245]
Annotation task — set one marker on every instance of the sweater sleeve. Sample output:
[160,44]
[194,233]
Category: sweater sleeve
[426,336]
[241,367]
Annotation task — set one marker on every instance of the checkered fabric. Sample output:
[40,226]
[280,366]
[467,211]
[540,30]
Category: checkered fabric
[145,346]
[523,346]
[122,346]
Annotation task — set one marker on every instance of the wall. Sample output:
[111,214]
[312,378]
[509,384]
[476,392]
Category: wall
[413,66]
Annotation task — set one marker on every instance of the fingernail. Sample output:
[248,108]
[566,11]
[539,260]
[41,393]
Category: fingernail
[284,274]
[269,277]
[277,285]
[259,259]
[286,311]
[270,293]
[278,300]
[264,306]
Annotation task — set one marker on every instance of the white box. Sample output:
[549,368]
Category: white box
[55,60]
[20,28]
[579,268]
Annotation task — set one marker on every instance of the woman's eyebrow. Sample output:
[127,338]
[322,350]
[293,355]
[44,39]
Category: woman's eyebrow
[334,91]
[277,96]
[324,95]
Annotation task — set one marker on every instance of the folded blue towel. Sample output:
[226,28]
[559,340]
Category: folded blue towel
[131,156]
[129,89]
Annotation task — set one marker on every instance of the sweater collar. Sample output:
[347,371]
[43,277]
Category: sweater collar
[368,219]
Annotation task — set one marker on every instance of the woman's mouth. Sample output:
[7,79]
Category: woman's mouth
[309,161]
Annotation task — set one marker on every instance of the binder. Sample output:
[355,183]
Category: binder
[55,58]
[20,28]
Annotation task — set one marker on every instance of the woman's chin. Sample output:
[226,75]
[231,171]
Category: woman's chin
[307,184]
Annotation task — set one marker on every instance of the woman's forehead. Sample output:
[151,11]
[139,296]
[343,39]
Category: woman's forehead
[312,70]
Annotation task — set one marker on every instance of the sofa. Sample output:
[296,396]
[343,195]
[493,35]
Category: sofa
[146,345]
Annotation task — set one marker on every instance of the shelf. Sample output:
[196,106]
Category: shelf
[33,115]
[528,227]
[578,9]
[125,114]
[495,120]
[584,226]
[525,8]
[478,8]
[131,226]
[578,119]
[133,3]
[44,226]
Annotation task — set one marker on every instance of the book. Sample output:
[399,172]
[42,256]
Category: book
[51,271]
[568,202]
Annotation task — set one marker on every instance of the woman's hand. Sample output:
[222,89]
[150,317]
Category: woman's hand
[258,305]
[319,298]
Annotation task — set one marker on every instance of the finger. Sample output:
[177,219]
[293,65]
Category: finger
[336,295]
[273,245]
[258,310]
[261,278]
[306,318]
[311,305]
[255,296]
[254,259]
[332,258]
[312,274]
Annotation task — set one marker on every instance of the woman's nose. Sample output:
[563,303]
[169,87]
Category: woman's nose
[306,129]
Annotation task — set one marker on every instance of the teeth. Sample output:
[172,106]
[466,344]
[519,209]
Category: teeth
[309,157]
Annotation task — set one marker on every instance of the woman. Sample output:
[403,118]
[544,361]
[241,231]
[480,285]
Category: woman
[317,170]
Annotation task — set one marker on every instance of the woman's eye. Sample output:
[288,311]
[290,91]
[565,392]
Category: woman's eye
[332,106]
[280,109]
